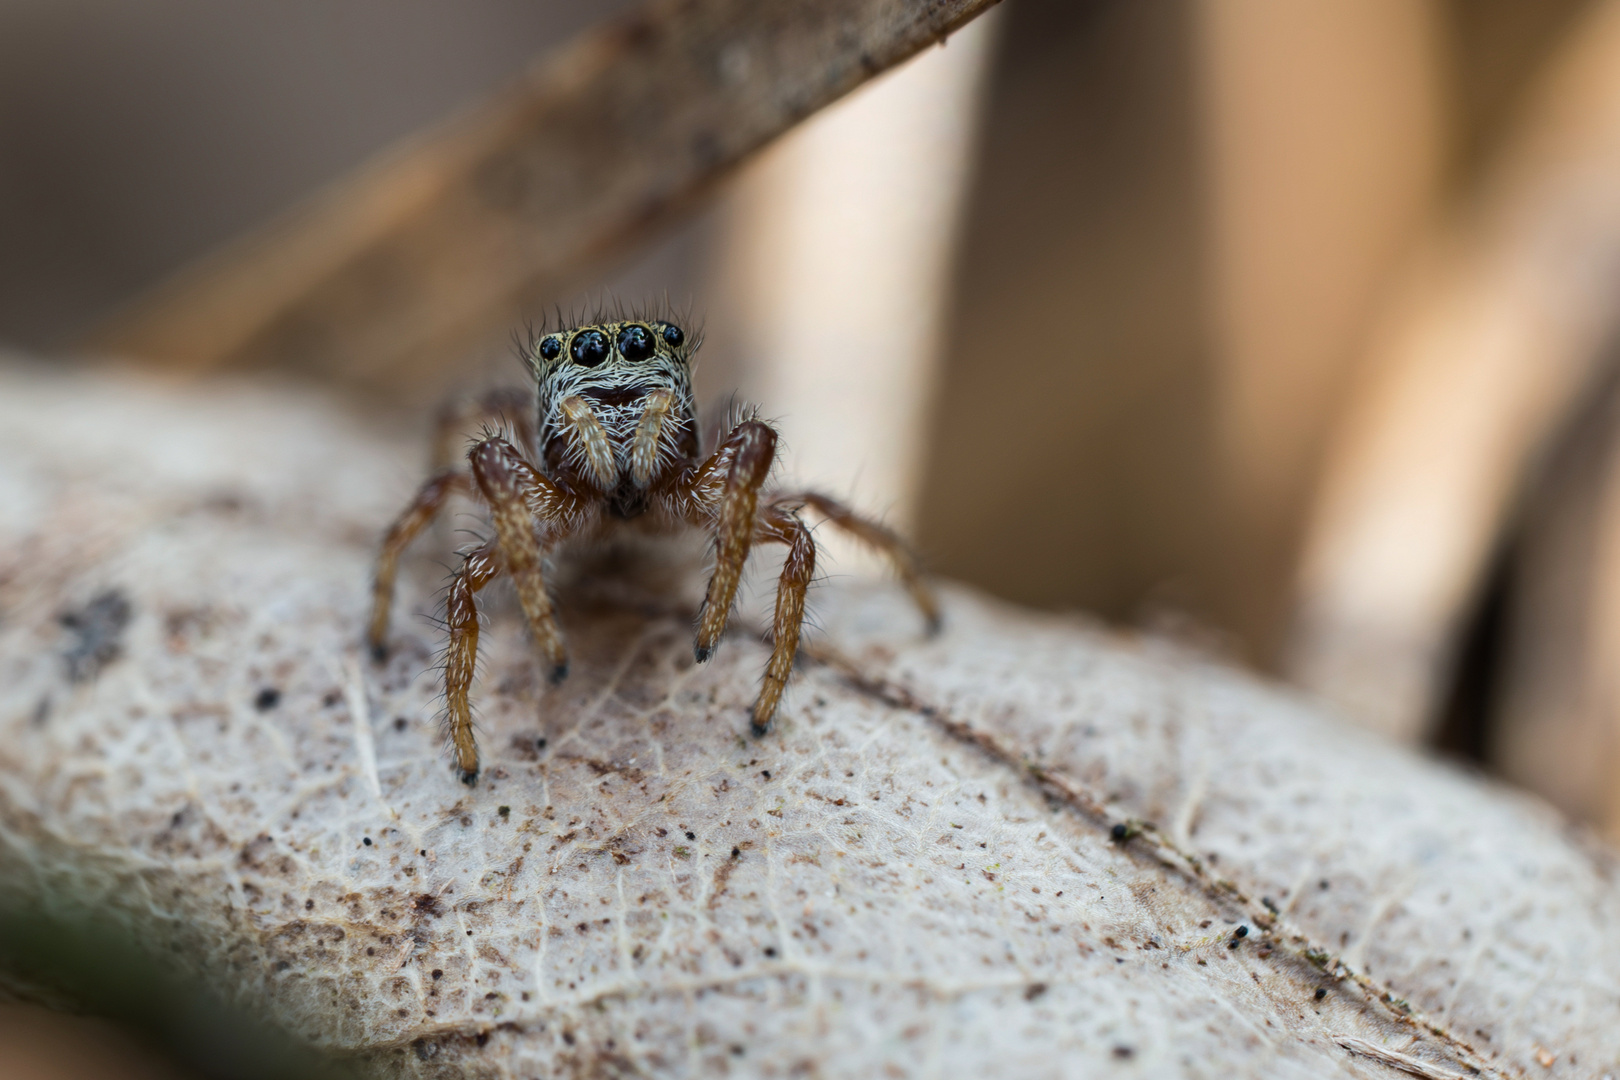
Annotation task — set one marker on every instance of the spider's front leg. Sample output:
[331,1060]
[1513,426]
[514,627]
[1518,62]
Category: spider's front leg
[518,496]
[478,568]
[783,526]
[517,493]
[750,450]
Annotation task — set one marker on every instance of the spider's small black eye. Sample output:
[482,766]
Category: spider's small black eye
[673,334]
[590,348]
[635,343]
[550,348]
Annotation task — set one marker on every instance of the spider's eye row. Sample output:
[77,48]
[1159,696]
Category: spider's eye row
[673,334]
[635,342]
[590,348]
[550,348]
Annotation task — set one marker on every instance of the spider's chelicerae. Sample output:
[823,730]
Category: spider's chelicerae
[614,443]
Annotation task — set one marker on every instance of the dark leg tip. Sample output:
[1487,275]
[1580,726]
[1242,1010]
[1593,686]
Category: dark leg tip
[702,653]
[935,624]
[468,776]
[379,652]
[758,730]
[559,673]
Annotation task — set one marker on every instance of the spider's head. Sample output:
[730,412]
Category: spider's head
[600,385]
[612,364]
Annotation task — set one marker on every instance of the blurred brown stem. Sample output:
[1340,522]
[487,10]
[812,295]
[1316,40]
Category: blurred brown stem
[403,268]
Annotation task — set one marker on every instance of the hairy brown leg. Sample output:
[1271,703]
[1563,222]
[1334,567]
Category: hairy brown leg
[783,526]
[878,537]
[430,499]
[478,568]
[751,447]
[508,403]
[514,491]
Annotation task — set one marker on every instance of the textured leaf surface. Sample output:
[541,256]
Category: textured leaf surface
[1024,848]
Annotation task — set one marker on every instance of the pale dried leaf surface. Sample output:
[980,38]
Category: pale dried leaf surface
[913,876]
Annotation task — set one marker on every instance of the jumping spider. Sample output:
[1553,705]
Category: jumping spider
[614,444]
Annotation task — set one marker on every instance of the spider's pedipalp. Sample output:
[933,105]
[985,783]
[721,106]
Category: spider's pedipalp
[652,448]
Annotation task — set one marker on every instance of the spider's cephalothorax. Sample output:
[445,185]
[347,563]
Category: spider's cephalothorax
[613,439]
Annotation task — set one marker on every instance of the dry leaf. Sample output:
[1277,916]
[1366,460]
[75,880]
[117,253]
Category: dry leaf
[1025,848]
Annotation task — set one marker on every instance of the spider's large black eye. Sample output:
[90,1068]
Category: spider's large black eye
[590,348]
[673,334]
[550,348]
[635,343]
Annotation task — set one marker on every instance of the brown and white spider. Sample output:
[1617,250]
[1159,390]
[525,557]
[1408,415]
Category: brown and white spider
[616,446]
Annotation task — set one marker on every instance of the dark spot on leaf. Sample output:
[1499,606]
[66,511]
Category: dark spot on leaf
[98,630]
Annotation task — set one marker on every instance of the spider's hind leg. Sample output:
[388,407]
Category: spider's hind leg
[430,499]
[878,537]
[507,405]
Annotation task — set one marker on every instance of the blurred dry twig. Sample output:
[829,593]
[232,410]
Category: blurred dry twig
[1485,353]
[415,260]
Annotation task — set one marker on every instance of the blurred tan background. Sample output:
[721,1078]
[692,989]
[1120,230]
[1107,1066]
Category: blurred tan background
[1285,328]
